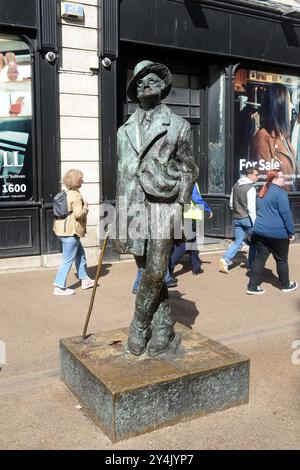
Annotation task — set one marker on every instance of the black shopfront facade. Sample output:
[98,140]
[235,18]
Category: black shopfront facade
[29,156]
[223,56]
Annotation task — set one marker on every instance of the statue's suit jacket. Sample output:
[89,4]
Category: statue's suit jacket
[156,170]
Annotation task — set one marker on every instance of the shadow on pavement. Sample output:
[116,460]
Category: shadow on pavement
[183,311]
[186,267]
[105,268]
[239,261]
[270,278]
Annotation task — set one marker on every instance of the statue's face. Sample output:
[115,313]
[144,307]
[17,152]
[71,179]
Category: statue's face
[150,86]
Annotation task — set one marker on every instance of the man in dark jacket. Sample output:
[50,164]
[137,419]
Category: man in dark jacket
[156,174]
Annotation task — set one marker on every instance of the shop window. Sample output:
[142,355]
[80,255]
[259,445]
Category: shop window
[216,130]
[16,166]
[267,124]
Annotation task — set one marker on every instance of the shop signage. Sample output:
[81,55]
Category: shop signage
[16,162]
[72,11]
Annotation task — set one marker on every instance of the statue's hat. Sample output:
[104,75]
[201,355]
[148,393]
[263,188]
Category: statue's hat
[142,69]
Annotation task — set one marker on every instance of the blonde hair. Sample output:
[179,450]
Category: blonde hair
[72,179]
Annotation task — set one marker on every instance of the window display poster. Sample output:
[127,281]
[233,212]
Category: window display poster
[16,178]
[267,124]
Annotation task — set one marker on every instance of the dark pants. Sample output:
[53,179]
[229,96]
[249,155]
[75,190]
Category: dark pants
[279,247]
[189,247]
[179,251]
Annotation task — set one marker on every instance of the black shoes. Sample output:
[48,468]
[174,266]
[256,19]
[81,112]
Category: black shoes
[199,271]
[172,282]
[255,290]
[258,290]
[292,286]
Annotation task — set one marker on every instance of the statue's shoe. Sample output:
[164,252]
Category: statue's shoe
[137,339]
[136,348]
[159,344]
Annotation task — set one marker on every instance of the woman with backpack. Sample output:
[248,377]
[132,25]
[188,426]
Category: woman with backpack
[70,228]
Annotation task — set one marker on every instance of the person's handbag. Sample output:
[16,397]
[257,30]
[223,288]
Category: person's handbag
[248,237]
[193,211]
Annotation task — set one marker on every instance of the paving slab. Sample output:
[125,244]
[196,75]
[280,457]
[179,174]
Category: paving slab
[38,412]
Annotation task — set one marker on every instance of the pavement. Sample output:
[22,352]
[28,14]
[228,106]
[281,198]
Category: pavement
[38,411]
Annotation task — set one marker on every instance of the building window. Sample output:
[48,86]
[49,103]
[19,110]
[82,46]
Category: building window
[216,130]
[16,166]
[267,124]
[183,99]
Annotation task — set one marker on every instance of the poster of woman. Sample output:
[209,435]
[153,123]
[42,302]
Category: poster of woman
[266,123]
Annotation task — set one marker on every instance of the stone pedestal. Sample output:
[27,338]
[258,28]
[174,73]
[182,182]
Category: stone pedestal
[127,395]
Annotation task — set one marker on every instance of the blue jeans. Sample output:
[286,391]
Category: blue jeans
[240,226]
[72,250]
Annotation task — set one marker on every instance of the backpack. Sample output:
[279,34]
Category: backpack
[60,205]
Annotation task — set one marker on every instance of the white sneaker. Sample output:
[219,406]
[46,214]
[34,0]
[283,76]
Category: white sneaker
[223,266]
[60,291]
[87,283]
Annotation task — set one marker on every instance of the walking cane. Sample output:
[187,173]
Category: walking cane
[95,286]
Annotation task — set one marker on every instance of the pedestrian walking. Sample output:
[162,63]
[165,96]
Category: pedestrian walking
[273,231]
[243,206]
[190,247]
[70,230]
